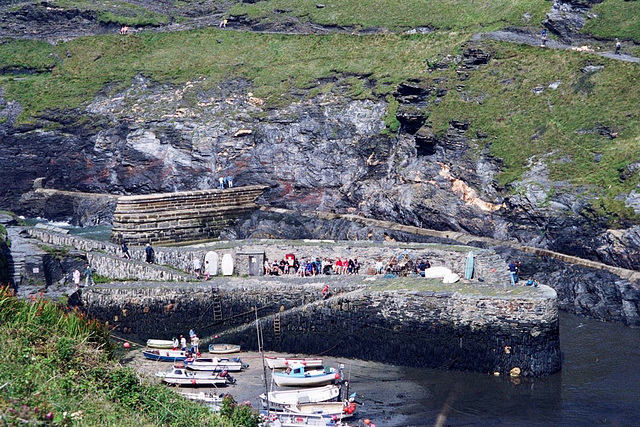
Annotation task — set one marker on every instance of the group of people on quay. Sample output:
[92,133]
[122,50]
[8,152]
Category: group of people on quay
[290,265]
[193,346]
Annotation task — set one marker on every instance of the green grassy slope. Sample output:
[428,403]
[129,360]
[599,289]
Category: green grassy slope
[57,369]
[468,15]
[615,18]
[274,63]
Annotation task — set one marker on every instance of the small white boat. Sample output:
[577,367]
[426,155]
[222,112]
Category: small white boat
[214,364]
[223,348]
[160,343]
[281,419]
[212,400]
[339,409]
[298,375]
[284,362]
[280,400]
[180,376]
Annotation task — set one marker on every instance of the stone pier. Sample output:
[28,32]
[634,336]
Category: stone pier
[183,216]
[405,321]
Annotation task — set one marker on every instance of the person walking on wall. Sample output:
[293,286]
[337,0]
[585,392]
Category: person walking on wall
[197,266]
[88,275]
[150,253]
[76,278]
[125,250]
[618,47]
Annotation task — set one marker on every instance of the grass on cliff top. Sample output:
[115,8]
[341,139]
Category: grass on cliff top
[399,15]
[116,12]
[615,18]
[58,369]
[276,64]
[585,131]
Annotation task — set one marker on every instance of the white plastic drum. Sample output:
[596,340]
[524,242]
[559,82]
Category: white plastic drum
[451,278]
[227,265]
[436,272]
[211,264]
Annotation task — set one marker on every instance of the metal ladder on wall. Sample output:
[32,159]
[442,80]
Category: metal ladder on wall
[217,306]
[277,326]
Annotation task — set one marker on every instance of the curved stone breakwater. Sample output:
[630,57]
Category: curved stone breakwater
[409,321]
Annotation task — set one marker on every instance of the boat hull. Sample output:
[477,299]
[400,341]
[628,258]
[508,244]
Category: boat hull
[159,344]
[216,365]
[281,400]
[165,355]
[223,348]
[285,362]
[298,377]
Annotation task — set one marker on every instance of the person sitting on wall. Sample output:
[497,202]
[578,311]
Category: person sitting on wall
[379,266]
[531,282]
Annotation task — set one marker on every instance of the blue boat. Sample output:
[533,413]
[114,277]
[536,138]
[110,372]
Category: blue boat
[166,355]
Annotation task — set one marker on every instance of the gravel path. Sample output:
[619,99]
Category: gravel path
[534,40]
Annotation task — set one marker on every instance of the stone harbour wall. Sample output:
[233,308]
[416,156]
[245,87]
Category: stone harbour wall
[181,216]
[488,265]
[439,329]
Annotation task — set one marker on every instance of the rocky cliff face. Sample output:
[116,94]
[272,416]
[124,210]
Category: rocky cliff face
[326,152]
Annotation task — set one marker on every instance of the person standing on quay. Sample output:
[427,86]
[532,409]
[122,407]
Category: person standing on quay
[76,278]
[195,345]
[88,275]
[150,253]
[183,343]
[197,266]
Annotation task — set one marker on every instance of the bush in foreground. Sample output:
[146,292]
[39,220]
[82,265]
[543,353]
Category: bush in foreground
[58,369]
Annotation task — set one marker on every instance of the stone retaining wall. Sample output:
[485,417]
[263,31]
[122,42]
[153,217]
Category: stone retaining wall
[488,265]
[442,329]
[182,216]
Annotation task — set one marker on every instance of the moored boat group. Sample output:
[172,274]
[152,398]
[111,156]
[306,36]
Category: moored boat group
[320,396]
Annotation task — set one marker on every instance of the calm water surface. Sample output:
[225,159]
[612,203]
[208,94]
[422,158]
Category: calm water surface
[599,385]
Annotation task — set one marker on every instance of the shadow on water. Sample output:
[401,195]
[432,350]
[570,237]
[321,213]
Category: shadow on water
[599,384]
